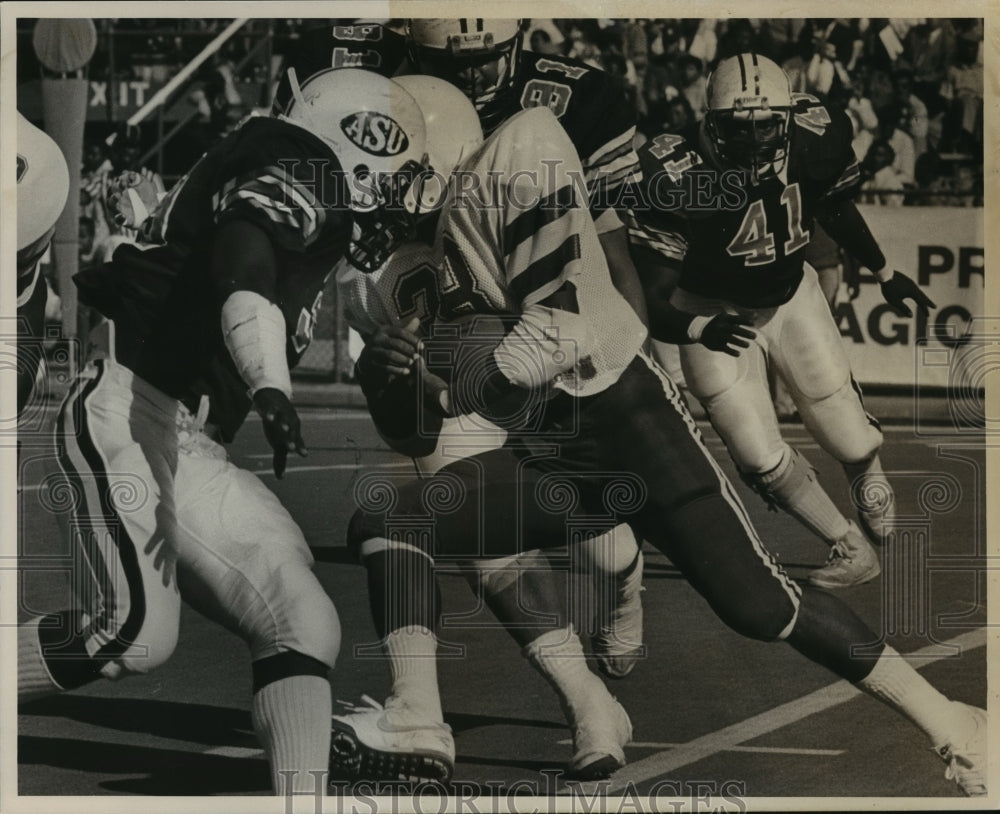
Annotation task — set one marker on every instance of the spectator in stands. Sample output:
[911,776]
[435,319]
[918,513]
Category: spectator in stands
[929,47]
[892,121]
[963,87]
[704,42]
[694,86]
[738,38]
[879,177]
[902,83]
[541,42]
[859,108]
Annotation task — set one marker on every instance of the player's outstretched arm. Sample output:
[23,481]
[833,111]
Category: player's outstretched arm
[244,272]
[847,226]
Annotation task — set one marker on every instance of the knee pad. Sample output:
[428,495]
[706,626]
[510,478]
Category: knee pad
[153,645]
[842,426]
[304,620]
[496,575]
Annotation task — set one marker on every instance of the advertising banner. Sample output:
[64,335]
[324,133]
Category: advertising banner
[942,249]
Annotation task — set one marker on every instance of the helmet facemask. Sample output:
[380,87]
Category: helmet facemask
[483,71]
[754,139]
[386,209]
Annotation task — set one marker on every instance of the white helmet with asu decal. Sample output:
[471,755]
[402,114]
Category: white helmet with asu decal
[749,111]
[377,131]
[478,56]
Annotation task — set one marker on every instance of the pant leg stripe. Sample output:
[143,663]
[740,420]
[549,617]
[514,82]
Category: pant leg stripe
[124,544]
[728,493]
[98,595]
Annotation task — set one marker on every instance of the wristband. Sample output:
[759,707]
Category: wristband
[885,274]
[255,335]
[697,326]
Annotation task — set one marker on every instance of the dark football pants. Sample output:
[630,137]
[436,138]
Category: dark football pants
[629,454]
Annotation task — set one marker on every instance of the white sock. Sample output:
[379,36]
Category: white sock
[412,653]
[291,717]
[33,677]
[897,684]
[558,656]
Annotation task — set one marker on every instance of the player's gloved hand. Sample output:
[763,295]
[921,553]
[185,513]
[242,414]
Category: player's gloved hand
[898,288]
[133,196]
[281,426]
[729,333]
[392,351]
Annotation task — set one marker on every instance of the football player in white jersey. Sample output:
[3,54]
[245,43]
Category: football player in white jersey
[520,590]
[612,441]
[42,186]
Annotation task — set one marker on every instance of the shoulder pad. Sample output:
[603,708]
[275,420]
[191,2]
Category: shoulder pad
[669,153]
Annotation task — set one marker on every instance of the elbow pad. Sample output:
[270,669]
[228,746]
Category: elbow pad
[256,337]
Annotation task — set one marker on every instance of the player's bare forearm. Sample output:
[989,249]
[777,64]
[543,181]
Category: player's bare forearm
[846,225]
[727,333]
[623,270]
[243,259]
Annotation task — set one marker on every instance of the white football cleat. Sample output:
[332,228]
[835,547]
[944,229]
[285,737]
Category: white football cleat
[966,759]
[394,742]
[599,736]
[617,644]
[852,561]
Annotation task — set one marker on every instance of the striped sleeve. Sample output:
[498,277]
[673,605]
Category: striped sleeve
[610,168]
[275,200]
[668,242]
[542,245]
[846,185]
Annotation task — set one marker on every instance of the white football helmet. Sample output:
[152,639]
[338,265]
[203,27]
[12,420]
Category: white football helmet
[376,129]
[42,184]
[478,56]
[749,113]
[453,129]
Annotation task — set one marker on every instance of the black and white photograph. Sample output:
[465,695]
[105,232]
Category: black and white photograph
[490,414]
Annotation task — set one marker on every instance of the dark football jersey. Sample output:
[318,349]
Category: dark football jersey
[369,46]
[735,240]
[162,296]
[596,115]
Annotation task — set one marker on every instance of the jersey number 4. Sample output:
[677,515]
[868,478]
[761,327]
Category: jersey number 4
[755,244]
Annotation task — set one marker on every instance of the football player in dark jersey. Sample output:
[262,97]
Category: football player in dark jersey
[613,442]
[485,59]
[42,186]
[727,220]
[204,323]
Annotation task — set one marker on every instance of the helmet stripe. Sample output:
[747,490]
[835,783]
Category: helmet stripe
[743,71]
[464,24]
[756,74]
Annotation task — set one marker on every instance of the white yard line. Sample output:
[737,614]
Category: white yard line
[781,716]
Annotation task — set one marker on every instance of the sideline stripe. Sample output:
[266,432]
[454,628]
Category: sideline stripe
[725,739]
[773,750]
